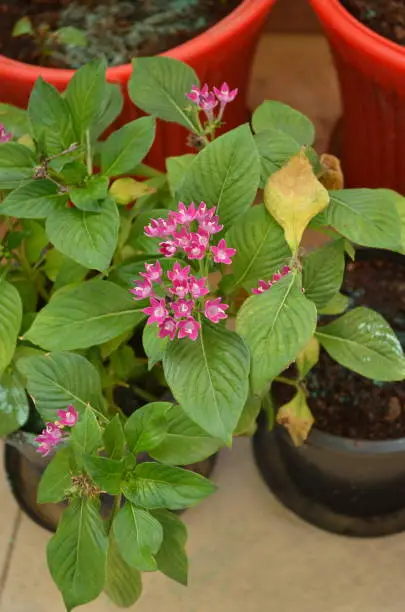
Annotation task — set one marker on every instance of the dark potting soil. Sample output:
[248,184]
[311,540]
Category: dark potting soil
[387,17]
[343,402]
[117,29]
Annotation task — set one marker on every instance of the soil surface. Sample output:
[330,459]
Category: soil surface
[117,29]
[345,403]
[387,17]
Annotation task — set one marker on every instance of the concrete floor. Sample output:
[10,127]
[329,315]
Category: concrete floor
[247,553]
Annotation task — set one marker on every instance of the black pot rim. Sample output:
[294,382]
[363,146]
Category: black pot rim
[322,439]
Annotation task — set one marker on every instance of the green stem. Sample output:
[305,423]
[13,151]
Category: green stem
[287,381]
[149,397]
[116,509]
[89,153]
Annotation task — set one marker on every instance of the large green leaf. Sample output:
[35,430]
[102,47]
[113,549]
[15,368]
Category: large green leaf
[162,486]
[368,217]
[14,408]
[172,557]
[86,237]
[127,147]
[276,325]
[54,381]
[16,165]
[146,427]
[33,200]
[123,583]
[105,472]
[138,536]
[224,174]
[10,321]
[158,85]
[50,118]
[77,553]
[363,341]
[114,439]
[323,272]
[260,248]
[113,103]
[86,94]
[86,439]
[14,119]
[209,378]
[176,167]
[57,478]
[281,117]
[184,441]
[154,346]
[84,315]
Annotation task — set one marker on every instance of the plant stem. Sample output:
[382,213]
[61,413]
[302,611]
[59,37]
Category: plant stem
[287,381]
[149,397]
[116,509]
[88,153]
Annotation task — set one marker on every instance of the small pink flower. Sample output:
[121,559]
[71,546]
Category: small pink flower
[185,215]
[168,248]
[276,277]
[48,439]
[261,288]
[197,95]
[189,328]
[180,288]
[198,287]
[153,272]
[142,290]
[68,417]
[207,104]
[210,226]
[160,228]
[182,238]
[182,308]
[4,135]
[222,253]
[215,310]
[196,249]
[177,273]
[168,328]
[224,94]
[285,270]
[157,311]
[201,212]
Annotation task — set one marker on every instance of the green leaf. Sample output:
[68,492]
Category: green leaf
[16,165]
[69,272]
[138,536]
[10,321]
[57,380]
[247,422]
[368,217]
[85,315]
[14,408]
[338,304]
[105,472]
[50,118]
[281,117]
[126,148]
[162,486]
[209,378]
[176,168]
[111,109]
[56,479]
[323,272]
[172,557]
[224,174]
[33,200]
[86,439]
[260,248]
[70,35]
[125,365]
[114,439]
[184,442]
[88,197]
[77,553]
[158,86]
[23,27]
[123,583]
[14,119]
[154,346]
[146,428]
[276,326]
[362,340]
[87,238]
[85,95]
[308,358]
[36,240]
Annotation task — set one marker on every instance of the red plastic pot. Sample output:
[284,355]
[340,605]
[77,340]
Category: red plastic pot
[222,53]
[371,72]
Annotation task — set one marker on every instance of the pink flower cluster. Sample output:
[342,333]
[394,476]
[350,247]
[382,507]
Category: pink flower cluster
[265,285]
[177,300]
[52,435]
[4,135]
[207,100]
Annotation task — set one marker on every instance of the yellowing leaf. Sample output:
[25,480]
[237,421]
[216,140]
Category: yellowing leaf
[27,141]
[293,196]
[308,357]
[296,418]
[332,174]
[126,190]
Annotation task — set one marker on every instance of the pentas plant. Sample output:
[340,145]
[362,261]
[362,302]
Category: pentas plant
[144,315]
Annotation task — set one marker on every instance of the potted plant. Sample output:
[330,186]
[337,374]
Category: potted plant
[370,63]
[223,52]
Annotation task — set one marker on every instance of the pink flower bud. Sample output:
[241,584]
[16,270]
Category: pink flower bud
[4,135]
[142,290]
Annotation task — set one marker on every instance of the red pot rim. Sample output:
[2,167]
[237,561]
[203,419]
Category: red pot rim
[338,19]
[231,26]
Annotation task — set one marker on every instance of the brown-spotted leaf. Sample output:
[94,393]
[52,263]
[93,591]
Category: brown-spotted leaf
[293,196]
[296,418]
[332,176]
